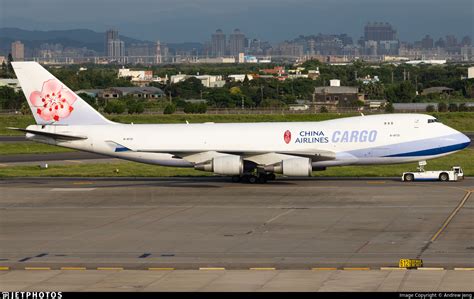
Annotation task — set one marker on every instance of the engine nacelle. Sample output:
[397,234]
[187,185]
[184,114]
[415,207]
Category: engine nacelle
[292,167]
[225,165]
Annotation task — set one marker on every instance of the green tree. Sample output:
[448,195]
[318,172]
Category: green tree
[115,107]
[463,107]
[10,71]
[135,106]
[89,99]
[169,109]
[405,92]
[430,108]
[389,108]
[453,107]
[195,108]
[442,107]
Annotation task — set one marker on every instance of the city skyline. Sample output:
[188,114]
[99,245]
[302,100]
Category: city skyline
[193,21]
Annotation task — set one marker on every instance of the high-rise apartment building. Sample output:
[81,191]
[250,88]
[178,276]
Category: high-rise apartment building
[218,44]
[18,51]
[378,31]
[427,42]
[385,37]
[115,48]
[236,43]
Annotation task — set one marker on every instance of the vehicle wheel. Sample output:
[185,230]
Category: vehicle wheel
[253,179]
[409,177]
[262,179]
[444,177]
[236,178]
[271,177]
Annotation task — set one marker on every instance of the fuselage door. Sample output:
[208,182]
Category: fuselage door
[416,124]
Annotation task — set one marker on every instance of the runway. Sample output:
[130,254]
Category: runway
[188,223]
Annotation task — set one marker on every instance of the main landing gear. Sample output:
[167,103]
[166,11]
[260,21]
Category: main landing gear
[260,178]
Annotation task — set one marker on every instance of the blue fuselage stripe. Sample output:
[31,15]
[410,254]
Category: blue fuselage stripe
[433,151]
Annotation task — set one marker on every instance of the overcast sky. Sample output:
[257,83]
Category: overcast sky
[273,20]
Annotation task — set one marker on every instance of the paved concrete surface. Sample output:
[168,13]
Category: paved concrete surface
[12,138]
[189,223]
[50,157]
[237,280]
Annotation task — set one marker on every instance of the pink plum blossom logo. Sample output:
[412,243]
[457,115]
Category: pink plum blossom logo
[53,102]
[287,136]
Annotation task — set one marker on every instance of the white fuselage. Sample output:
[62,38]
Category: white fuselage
[377,139]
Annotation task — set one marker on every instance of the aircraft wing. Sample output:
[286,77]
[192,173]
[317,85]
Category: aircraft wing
[196,156]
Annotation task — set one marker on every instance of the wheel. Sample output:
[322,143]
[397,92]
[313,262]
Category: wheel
[236,178]
[271,177]
[409,177]
[253,179]
[262,179]
[444,177]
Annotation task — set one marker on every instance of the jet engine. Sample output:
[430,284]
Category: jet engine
[292,167]
[225,165]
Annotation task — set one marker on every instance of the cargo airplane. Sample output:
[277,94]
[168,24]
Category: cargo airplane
[246,151]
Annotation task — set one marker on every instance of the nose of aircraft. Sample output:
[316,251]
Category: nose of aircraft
[465,140]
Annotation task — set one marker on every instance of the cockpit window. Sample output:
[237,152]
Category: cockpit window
[433,120]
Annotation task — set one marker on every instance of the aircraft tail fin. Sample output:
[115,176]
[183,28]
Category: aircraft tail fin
[52,102]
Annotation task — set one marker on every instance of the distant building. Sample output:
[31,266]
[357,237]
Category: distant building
[379,31]
[380,39]
[236,43]
[337,94]
[136,92]
[470,72]
[277,70]
[12,83]
[427,42]
[218,44]
[110,34]
[115,48]
[90,92]
[368,79]
[138,77]
[427,61]
[290,49]
[437,90]
[240,77]
[3,59]
[158,55]
[217,60]
[209,81]
[140,53]
[18,51]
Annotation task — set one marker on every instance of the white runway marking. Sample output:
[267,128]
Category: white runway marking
[72,189]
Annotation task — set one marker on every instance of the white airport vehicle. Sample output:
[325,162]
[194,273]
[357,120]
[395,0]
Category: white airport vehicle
[455,174]
[254,152]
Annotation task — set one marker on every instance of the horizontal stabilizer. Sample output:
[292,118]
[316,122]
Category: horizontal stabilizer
[50,134]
